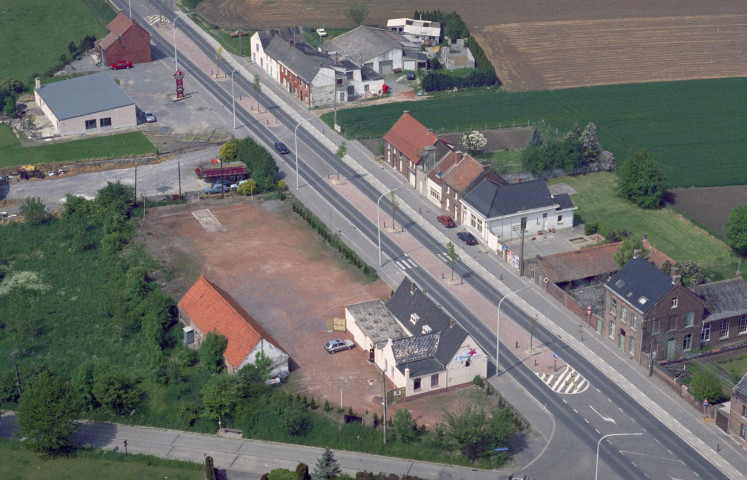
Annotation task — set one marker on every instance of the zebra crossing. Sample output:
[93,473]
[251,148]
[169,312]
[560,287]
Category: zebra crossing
[405,262]
[568,381]
[443,257]
[153,19]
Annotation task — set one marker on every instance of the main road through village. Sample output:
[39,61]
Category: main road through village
[569,426]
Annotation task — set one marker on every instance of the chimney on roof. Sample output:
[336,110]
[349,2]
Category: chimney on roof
[637,253]
[459,155]
[452,322]
[405,112]
[428,131]
[675,278]
[412,288]
[38,82]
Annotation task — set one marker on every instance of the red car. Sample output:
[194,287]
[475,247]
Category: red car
[447,221]
[121,65]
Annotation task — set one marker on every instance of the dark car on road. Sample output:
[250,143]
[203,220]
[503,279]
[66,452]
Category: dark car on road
[337,345]
[447,221]
[467,238]
[217,189]
[281,148]
[121,65]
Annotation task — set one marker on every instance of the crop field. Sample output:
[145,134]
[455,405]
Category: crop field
[696,141]
[112,146]
[33,35]
[667,230]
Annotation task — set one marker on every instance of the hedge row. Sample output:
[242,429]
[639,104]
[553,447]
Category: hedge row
[444,80]
[334,241]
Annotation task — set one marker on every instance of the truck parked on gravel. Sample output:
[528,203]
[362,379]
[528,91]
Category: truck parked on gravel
[212,171]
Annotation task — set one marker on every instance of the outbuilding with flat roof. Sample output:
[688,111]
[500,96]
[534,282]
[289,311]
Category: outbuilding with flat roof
[85,104]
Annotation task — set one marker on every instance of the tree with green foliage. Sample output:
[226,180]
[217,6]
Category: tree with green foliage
[34,211]
[46,412]
[229,150]
[735,230]
[474,141]
[703,386]
[536,138]
[326,467]
[211,352]
[116,390]
[404,427]
[247,188]
[475,432]
[357,13]
[302,472]
[220,395]
[641,180]
[115,199]
[452,255]
[342,150]
[627,249]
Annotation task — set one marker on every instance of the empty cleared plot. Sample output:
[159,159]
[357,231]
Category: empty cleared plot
[563,54]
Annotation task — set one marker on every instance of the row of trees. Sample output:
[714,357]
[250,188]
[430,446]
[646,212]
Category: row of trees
[443,80]
[261,165]
[577,149]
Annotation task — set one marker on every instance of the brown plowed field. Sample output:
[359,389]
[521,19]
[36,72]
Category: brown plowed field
[552,44]
[709,206]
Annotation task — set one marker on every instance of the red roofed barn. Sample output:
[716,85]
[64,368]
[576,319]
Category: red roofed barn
[404,143]
[127,41]
[207,308]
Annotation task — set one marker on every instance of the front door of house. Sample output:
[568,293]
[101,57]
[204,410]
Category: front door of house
[622,340]
[670,349]
[599,325]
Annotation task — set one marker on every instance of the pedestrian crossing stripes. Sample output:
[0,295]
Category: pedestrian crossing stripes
[568,381]
[444,258]
[404,263]
[153,19]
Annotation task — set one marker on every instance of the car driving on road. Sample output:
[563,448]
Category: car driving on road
[281,148]
[337,345]
[467,238]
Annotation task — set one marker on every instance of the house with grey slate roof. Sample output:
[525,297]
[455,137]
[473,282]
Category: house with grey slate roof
[384,51]
[738,412]
[494,212]
[420,347]
[312,76]
[85,104]
[725,320]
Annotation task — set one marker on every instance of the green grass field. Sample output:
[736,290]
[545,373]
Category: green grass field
[22,464]
[667,230]
[45,28]
[113,146]
[692,127]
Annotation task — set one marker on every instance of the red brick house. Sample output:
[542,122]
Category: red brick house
[207,308]
[460,179]
[725,320]
[404,144]
[738,412]
[647,311]
[126,41]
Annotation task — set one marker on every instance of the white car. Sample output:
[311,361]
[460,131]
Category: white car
[337,345]
[149,117]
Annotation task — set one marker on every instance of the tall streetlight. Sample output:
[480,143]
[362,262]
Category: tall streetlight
[498,329]
[596,469]
[233,98]
[378,214]
[176,55]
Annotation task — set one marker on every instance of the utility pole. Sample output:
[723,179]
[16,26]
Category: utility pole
[521,250]
[383,401]
[241,34]
[135,199]
[179,172]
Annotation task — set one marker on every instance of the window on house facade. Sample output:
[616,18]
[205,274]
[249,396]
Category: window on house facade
[611,330]
[633,321]
[742,431]
[705,334]
[742,325]
[724,333]
[434,380]
[687,342]
[256,47]
[416,384]
[689,319]
[479,225]
[560,218]
[674,302]
[631,346]
[105,122]
[366,88]
[349,75]
[90,124]
[436,194]
[744,411]
[342,96]
[613,307]
[624,314]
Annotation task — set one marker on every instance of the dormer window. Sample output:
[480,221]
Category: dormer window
[620,283]
[414,317]
[643,300]
[674,302]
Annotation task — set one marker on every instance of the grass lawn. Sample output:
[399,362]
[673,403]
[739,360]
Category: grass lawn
[737,367]
[113,146]
[667,230]
[44,29]
[503,161]
[23,464]
[694,139]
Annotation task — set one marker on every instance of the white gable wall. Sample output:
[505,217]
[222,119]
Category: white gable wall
[278,357]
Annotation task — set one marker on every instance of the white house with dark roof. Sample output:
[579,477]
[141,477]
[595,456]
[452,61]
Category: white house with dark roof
[420,347]
[384,51]
[261,40]
[494,212]
[85,104]
[422,30]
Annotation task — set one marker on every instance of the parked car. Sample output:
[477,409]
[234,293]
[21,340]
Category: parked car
[467,238]
[337,345]
[281,148]
[216,189]
[149,117]
[447,221]
[411,75]
[121,65]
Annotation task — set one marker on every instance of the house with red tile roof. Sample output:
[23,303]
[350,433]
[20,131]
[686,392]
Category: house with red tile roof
[208,308]
[404,144]
[127,41]
[583,264]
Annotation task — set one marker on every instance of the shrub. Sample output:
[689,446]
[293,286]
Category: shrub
[478,381]
[33,210]
[641,180]
[705,386]
[302,472]
[590,228]
[209,468]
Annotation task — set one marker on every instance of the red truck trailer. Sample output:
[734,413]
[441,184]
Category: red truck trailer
[212,170]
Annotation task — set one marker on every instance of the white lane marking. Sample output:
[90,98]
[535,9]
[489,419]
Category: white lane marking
[606,419]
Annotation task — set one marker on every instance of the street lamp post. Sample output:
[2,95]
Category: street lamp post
[378,214]
[176,55]
[596,468]
[233,99]
[498,329]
